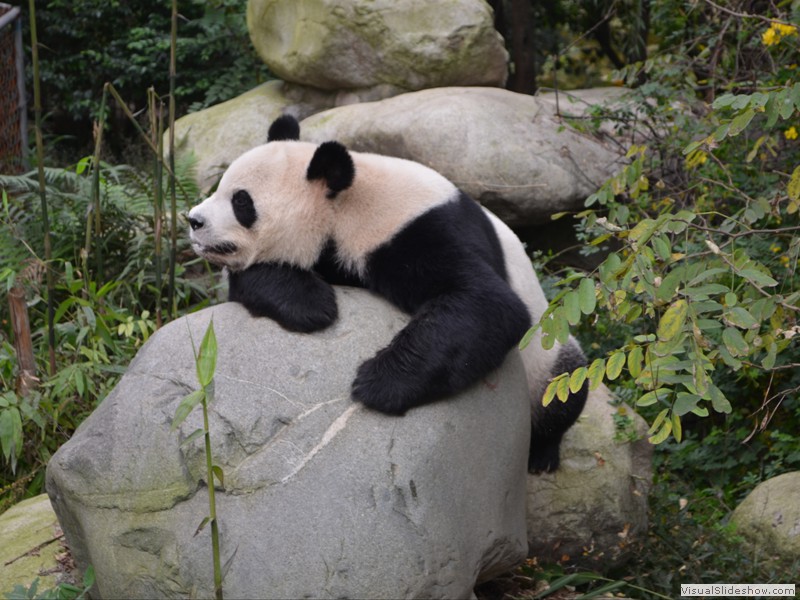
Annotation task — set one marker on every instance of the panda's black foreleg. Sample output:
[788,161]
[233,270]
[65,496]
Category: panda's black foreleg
[296,299]
[549,423]
[439,353]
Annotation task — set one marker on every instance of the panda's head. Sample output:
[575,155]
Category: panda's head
[273,204]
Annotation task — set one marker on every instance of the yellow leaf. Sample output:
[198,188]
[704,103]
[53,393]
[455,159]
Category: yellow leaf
[671,323]
[793,188]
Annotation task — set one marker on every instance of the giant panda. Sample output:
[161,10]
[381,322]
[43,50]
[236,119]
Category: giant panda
[290,218]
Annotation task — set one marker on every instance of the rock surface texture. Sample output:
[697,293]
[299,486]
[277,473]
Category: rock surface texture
[506,150]
[30,545]
[323,498]
[409,44]
[593,510]
[770,517]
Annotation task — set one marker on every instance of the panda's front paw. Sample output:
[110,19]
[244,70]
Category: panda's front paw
[377,386]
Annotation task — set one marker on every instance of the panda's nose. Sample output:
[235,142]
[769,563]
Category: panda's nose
[195,222]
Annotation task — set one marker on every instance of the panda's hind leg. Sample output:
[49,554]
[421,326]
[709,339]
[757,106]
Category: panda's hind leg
[549,423]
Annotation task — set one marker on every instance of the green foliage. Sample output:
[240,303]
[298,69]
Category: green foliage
[706,275]
[206,364]
[91,42]
[105,300]
[63,591]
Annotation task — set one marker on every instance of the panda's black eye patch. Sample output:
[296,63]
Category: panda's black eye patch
[243,208]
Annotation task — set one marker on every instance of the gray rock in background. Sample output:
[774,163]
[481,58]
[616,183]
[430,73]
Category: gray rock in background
[347,44]
[593,511]
[322,497]
[770,517]
[219,134]
[506,150]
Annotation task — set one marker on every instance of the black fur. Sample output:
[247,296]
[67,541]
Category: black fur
[297,299]
[243,209]
[548,424]
[284,127]
[333,164]
[466,317]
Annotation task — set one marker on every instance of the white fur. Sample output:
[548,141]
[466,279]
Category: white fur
[295,218]
[523,280]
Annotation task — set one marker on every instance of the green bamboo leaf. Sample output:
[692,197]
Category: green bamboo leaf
[615,364]
[185,407]
[217,471]
[734,342]
[202,525]
[207,358]
[672,321]
[191,437]
[586,294]
[577,379]
[572,308]
[597,371]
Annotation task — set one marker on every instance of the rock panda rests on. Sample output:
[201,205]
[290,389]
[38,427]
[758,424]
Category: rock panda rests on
[291,218]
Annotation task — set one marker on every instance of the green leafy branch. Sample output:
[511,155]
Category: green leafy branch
[205,364]
[701,303]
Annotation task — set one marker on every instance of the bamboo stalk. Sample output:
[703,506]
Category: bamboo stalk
[99,125]
[156,127]
[48,254]
[173,248]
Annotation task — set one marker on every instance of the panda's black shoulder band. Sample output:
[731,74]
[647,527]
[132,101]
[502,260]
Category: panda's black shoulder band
[284,127]
[333,164]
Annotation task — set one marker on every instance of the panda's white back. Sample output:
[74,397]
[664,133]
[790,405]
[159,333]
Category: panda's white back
[387,194]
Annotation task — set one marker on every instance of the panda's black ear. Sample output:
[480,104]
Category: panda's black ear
[284,127]
[333,164]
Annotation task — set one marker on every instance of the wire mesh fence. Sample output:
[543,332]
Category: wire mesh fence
[13,122]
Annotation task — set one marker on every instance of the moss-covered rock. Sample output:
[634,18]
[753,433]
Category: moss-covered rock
[770,517]
[411,44]
[30,542]
[508,151]
[593,510]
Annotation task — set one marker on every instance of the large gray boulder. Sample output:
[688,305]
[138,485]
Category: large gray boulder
[506,150]
[593,511]
[322,497]
[351,44]
[219,134]
[770,517]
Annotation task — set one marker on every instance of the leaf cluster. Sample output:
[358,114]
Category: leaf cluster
[698,233]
